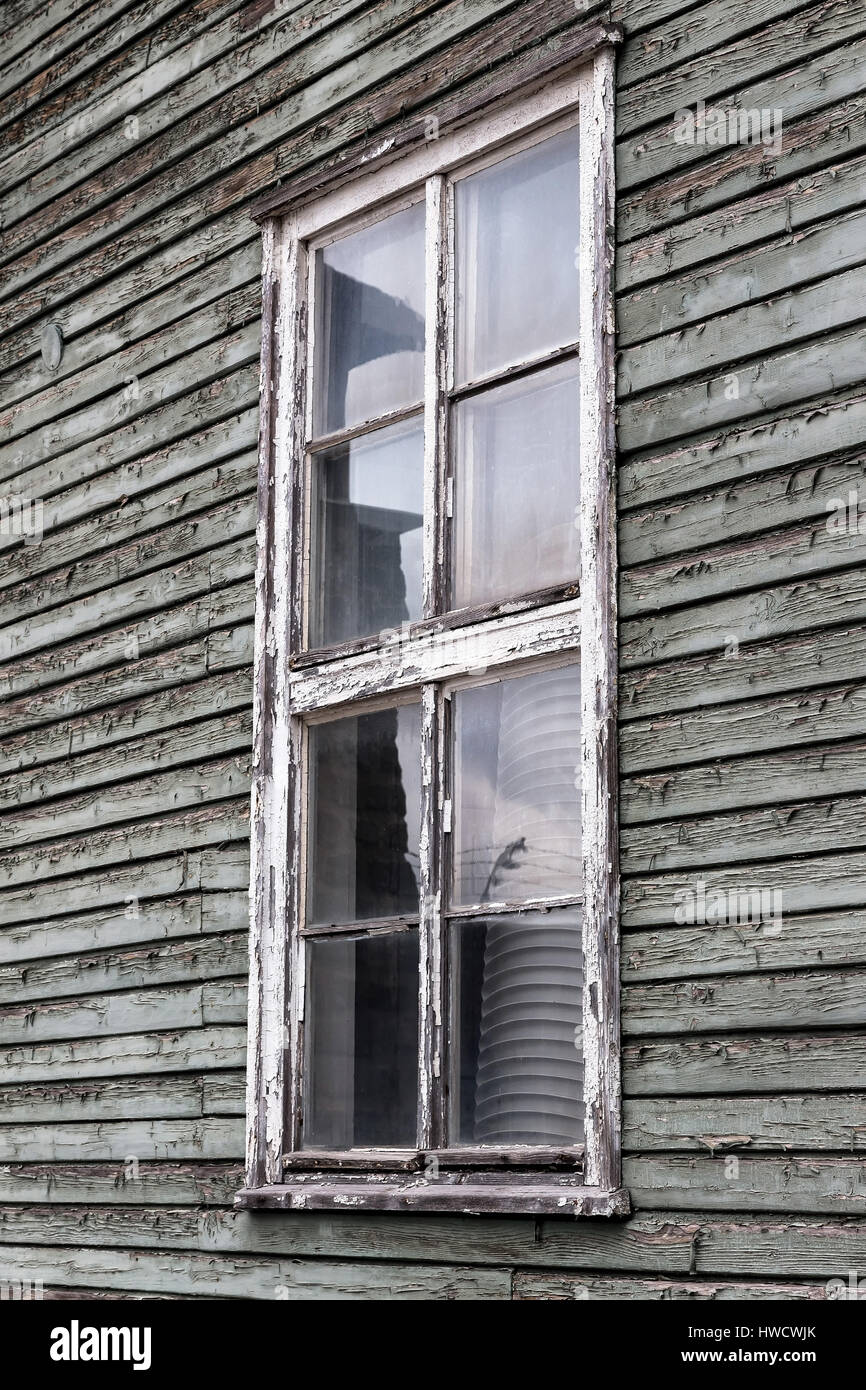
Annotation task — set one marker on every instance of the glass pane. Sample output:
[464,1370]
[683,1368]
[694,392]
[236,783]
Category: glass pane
[367,534]
[517,482]
[369,351]
[518,1042]
[516,789]
[365,816]
[516,249]
[361,1044]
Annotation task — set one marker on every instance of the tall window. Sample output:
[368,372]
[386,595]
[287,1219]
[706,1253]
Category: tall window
[434,963]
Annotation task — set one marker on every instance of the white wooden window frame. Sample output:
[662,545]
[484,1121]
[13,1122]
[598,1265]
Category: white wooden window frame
[294,687]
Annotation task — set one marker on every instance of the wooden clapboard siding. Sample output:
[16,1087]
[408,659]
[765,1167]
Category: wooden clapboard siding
[135,137]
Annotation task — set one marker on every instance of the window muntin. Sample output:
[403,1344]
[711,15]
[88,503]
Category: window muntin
[422,659]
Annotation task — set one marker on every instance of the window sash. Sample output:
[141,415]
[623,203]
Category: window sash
[436,909]
[292,685]
[441,393]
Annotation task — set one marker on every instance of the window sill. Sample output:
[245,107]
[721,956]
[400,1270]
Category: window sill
[475,1194]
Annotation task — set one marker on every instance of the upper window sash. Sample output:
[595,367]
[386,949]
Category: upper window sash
[454,396]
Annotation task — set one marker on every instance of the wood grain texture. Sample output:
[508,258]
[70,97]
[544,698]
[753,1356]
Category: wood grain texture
[127,645]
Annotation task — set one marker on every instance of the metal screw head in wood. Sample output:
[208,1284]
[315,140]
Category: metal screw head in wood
[51,345]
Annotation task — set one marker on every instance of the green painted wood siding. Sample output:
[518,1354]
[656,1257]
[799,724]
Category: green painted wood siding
[133,137]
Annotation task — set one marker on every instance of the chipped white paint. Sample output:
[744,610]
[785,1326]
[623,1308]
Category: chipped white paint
[270,808]
[427,659]
[378,151]
[434,412]
[599,653]
[437,653]
[430,987]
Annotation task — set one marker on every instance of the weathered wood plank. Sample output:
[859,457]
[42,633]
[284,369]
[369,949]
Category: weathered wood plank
[207,1184]
[724,1182]
[139,726]
[778,379]
[135,444]
[719,731]
[246,122]
[344,108]
[112,656]
[646,14]
[136,920]
[238,1277]
[140,799]
[217,65]
[832,135]
[782,40]
[781,210]
[178,318]
[797,258]
[801,1248]
[818,883]
[801,436]
[692,952]
[172,543]
[118,50]
[138,1054]
[224,1093]
[133,1012]
[750,781]
[132,1296]
[644,1244]
[108,50]
[799,551]
[740,509]
[150,393]
[720,1124]
[176,962]
[145,594]
[744,617]
[206,738]
[812,80]
[224,1002]
[791,664]
[26,24]
[127,701]
[719,344]
[120,885]
[803,999]
[743,836]
[105,312]
[559,1287]
[134,486]
[210,1136]
[55,1102]
[666,46]
[731,1065]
